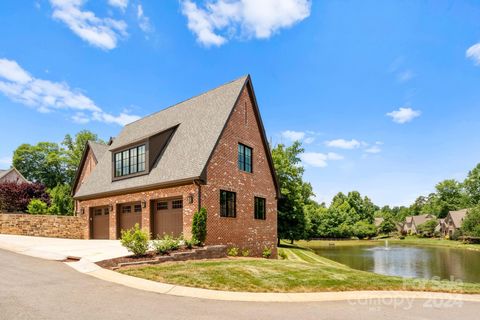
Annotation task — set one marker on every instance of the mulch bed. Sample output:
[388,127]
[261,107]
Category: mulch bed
[113,263]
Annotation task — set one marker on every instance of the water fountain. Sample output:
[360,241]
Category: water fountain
[386,245]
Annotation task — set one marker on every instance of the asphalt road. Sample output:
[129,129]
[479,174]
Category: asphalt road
[32,288]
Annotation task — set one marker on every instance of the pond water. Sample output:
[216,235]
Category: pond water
[409,261]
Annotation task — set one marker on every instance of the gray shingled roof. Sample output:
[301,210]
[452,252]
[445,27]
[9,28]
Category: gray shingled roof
[458,216]
[200,121]
[98,149]
[4,172]
[420,219]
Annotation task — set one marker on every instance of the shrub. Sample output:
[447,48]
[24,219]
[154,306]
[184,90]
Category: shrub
[61,200]
[245,252]
[189,244]
[199,225]
[456,234]
[37,206]
[282,255]
[16,197]
[471,223]
[232,252]
[166,244]
[427,229]
[135,240]
[267,253]
[363,229]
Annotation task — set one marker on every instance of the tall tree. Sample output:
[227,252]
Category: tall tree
[451,196]
[74,148]
[43,162]
[472,186]
[295,192]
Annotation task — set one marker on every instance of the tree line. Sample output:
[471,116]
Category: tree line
[351,215]
[51,167]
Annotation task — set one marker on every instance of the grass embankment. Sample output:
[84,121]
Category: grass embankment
[409,240]
[301,271]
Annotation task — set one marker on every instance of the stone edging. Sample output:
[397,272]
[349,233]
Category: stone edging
[182,291]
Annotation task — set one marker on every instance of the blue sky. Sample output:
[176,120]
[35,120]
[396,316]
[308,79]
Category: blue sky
[384,94]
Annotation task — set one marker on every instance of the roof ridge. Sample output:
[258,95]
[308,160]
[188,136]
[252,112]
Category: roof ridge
[191,98]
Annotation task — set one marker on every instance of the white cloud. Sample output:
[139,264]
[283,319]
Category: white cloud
[404,115]
[319,160]
[405,75]
[343,144]
[221,20]
[103,33]
[121,4]
[293,135]
[143,20]
[373,149]
[474,53]
[47,96]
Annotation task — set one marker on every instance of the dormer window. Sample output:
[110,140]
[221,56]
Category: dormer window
[130,161]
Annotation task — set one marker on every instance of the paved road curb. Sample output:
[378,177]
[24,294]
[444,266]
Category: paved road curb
[94,270]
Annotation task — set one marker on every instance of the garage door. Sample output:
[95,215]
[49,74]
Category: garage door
[100,222]
[168,217]
[130,214]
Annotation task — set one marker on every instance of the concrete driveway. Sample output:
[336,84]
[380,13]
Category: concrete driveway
[60,249]
[32,288]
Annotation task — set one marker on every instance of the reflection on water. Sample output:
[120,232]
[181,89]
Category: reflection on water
[409,261]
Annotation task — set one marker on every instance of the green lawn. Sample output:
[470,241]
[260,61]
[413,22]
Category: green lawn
[302,271]
[410,240]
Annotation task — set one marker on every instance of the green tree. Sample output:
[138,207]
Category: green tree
[472,186]
[61,200]
[43,162]
[387,226]
[362,229]
[450,196]
[471,223]
[314,213]
[295,192]
[74,148]
[427,229]
[417,207]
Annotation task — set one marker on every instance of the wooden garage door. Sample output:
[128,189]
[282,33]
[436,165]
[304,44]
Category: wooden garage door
[130,214]
[168,217]
[100,222]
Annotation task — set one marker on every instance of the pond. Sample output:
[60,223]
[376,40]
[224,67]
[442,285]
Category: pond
[408,260]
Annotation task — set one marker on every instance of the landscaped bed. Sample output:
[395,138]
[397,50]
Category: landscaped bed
[300,271]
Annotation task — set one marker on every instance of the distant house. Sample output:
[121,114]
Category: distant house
[12,175]
[378,221]
[412,222]
[454,221]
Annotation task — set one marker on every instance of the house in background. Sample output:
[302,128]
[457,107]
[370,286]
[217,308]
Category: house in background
[209,151]
[412,222]
[12,175]
[453,221]
[378,221]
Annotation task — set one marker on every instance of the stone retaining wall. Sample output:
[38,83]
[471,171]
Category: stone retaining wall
[208,252]
[42,225]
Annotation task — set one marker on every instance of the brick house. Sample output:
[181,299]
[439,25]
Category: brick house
[12,175]
[209,151]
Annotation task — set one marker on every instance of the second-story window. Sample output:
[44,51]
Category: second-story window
[130,161]
[244,158]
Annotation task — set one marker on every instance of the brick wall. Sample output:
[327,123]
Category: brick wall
[42,226]
[147,196]
[222,173]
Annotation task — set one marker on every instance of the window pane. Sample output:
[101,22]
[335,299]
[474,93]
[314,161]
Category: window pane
[248,159]
[137,208]
[126,209]
[141,158]
[177,204]
[259,208]
[241,157]
[133,160]
[223,203]
[126,162]
[162,205]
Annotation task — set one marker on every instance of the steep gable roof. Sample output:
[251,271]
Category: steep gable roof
[418,220]
[457,217]
[98,150]
[4,173]
[199,122]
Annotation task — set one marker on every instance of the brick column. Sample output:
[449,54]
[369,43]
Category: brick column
[113,222]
